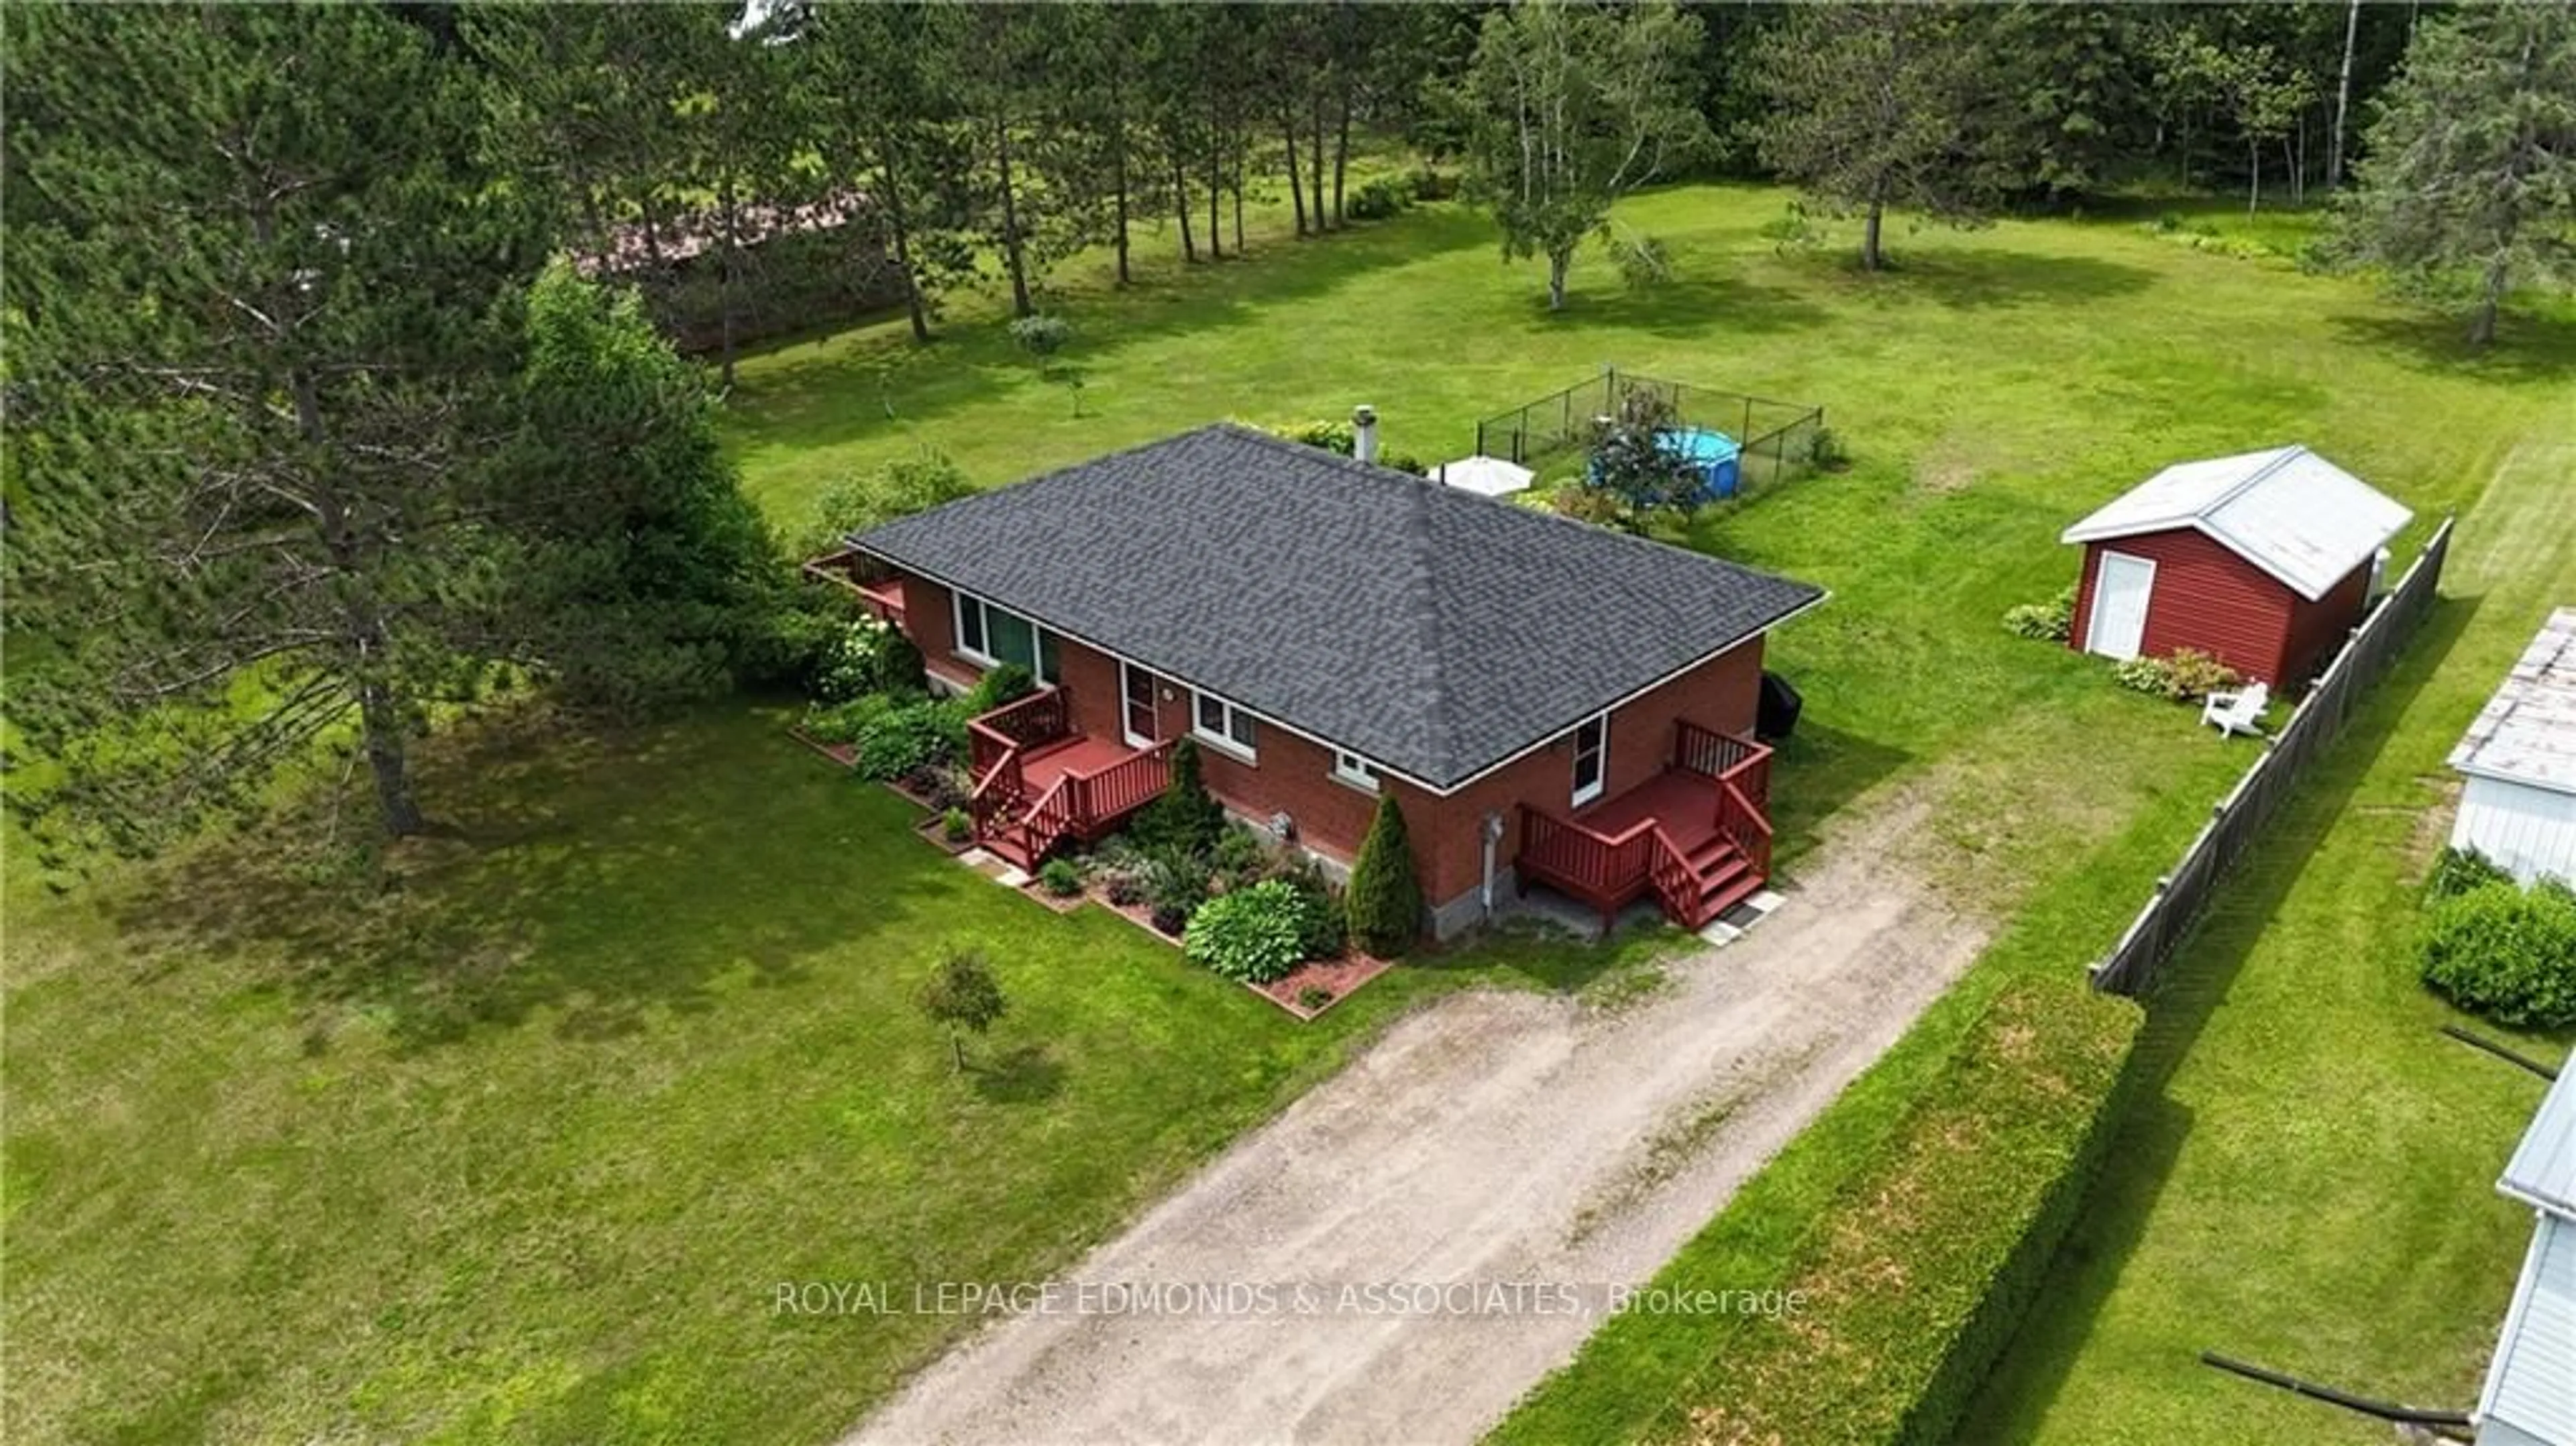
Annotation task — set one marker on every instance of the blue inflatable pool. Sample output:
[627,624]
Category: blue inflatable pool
[1711,454]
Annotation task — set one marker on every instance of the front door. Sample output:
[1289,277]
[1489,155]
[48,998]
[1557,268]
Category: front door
[1136,695]
[1591,758]
[2121,588]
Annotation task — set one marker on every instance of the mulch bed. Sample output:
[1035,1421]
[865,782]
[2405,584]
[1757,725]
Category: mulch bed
[1341,976]
[935,830]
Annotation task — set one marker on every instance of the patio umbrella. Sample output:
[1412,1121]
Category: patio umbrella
[1491,476]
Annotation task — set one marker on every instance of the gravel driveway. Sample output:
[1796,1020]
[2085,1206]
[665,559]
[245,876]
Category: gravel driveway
[1532,1149]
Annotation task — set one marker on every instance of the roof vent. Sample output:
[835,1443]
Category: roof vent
[1364,433]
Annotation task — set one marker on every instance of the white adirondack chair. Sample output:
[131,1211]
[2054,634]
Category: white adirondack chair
[2237,712]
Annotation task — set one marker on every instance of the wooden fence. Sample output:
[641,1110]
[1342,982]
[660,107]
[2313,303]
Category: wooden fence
[2237,821]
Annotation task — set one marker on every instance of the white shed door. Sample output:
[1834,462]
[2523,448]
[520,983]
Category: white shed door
[2120,590]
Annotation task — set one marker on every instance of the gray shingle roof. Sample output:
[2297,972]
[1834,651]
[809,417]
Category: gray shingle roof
[1433,631]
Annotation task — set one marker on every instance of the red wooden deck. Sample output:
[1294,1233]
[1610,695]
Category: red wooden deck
[1693,836]
[1080,753]
[1683,802]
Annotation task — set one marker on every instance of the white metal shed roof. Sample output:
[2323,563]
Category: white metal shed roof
[2542,1171]
[2288,511]
[2527,731]
[2530,1395]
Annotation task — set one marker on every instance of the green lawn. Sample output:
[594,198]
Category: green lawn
[2311,1183]
[519,1149]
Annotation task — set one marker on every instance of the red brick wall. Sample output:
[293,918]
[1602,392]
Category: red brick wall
[2204,597]
[1723,693]
[1292,774]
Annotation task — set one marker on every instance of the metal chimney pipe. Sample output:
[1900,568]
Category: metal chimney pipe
[1364,433]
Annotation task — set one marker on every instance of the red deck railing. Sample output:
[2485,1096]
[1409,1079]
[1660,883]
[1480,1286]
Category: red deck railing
[1608,870]
[1725,758]
[1032,722]
[855,571]
[1078,804]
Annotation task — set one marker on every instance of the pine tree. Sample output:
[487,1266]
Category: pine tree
[2468,182]
[1385,898]
[260,326]
[649,581]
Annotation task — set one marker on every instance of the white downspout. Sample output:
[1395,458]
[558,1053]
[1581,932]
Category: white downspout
[1493,840]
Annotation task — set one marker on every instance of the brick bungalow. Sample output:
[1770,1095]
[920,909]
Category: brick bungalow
[1548,702]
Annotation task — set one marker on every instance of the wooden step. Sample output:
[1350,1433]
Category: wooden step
[1718,880]
[1742,886]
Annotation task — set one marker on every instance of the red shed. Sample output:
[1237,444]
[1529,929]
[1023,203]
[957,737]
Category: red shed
[2265,559]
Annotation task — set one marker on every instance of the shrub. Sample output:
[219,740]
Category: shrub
[1061,877]
[844,722]
[1002,683]
[957,824]
[1314,997]
[1185,817]
[1124,886]
[1644,261]
[2051,621]
[907,737]
[1595,505]
[1825,451]
[2458,870]
[2504,952]
[1428,184]
[1238,851]
[1255,934]
[1385,899]
[899,667]
[1326,930]
[900,488]
[1042,335]
[2195,675]
[1334,437]
[1176,883]
[1378,200]
[942,786]
[848,665]
[2187,676]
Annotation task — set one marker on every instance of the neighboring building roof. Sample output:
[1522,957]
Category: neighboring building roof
[2530,1395]
[2288,511]
[2542,1171]
[2527,731]
[1432,631]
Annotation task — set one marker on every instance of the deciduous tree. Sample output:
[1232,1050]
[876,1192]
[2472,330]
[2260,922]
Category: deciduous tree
[1877,106]
[1567,107]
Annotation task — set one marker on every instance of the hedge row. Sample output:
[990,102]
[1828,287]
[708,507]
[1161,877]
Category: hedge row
[1917,1271]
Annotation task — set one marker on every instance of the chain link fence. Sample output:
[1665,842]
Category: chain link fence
[1775,439]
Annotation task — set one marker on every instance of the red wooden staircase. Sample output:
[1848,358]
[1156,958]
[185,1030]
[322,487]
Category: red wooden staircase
[1694,835]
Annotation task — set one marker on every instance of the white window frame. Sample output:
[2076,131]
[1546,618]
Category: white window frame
[1349,768]
[1127,674]
[1230,713]
[958,598]
[1574,745]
